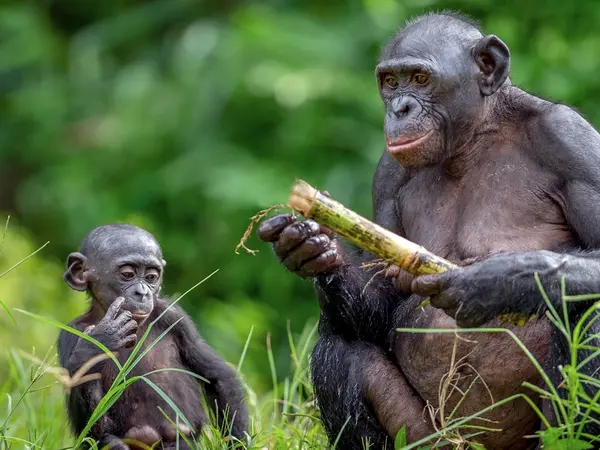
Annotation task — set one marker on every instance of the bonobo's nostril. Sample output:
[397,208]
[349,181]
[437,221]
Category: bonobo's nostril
[141,290]
[401,105]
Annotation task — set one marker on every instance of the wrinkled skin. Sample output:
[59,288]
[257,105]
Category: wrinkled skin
[121,269]
[479,172]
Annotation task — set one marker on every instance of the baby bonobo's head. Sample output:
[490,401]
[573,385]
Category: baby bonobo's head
[118,261]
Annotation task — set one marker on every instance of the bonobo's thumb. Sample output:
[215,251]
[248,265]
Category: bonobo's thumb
[427,285]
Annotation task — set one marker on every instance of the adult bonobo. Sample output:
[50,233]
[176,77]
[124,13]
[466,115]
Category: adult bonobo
[485,175]
[121,268]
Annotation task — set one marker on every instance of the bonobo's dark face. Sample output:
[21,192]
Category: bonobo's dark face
[435,79]
[125,264]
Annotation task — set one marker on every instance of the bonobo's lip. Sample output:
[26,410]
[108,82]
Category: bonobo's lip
[139,316]
[403,143]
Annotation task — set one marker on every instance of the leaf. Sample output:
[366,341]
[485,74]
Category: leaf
[400,441]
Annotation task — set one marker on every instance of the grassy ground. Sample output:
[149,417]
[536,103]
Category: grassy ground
[32,413]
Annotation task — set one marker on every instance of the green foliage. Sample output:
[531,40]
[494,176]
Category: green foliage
[187,117]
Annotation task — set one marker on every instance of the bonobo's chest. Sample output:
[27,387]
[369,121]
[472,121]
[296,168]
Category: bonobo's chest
[504,204]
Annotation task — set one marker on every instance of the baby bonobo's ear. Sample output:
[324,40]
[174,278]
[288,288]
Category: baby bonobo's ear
[76,274]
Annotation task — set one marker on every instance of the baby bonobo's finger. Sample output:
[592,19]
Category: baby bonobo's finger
[123,318]
[114,309]
[129,341]
[270,229]
[294,235]
[89,329]
[426,285]
[310,248]
[129,327]
[325,263]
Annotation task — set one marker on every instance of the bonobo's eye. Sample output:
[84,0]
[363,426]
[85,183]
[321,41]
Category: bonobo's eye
[152,276]
[420,78]
[390,81]
[127,273]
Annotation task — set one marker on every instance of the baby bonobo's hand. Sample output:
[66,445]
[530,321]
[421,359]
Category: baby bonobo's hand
[117,329]
[303,247]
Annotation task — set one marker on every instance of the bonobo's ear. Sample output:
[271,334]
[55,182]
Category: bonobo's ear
[493,58]
[76,273]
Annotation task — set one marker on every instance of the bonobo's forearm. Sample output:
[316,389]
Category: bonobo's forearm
[581,272]
[505,283]
[360,299]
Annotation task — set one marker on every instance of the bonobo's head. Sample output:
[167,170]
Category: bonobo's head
[118,261]
[437,78]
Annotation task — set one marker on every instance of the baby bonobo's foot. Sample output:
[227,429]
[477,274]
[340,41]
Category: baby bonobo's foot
[144,434]
[113,443]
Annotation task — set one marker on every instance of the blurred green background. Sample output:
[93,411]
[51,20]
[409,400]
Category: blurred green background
[187,117]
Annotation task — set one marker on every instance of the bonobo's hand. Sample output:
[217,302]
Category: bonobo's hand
[304,247]
[117,329]
[478,293]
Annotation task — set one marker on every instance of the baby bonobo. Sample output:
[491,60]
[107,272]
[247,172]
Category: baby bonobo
[121,267]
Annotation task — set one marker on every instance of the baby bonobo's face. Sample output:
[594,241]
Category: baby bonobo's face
[131,267]
[115,262]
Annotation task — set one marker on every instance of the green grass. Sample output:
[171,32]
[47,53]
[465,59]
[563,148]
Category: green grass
[32,399]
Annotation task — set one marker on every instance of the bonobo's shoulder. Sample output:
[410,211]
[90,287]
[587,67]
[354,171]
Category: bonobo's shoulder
[567,141]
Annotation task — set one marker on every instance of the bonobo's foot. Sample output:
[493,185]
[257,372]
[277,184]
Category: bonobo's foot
[303,247]
[113,443]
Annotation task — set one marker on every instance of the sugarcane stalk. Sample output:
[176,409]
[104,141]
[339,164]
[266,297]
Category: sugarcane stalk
[373,238]
[365,234]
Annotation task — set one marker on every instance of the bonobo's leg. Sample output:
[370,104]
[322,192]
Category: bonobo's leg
[182,445]
[353,377]
[112,443]
[362,394]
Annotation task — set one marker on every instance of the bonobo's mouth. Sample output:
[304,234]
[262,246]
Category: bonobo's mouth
[406,142]
[139,316]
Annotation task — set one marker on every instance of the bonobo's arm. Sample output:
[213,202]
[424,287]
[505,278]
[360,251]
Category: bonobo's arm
[224,393]
[116,330]
[357,301]
[569,149]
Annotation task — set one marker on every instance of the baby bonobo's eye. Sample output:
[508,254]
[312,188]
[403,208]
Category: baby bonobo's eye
[390,81]
[420,78]
[127,273]
[152,276]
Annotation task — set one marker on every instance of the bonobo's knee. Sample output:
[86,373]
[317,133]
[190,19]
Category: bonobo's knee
[337,371]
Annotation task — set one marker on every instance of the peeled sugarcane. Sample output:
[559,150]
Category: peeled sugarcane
[373,238]
[365,234]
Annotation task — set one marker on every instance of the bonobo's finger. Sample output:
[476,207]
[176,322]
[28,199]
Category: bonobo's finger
[129,341]
[326,262]
[310,248]
[129,328]
[427,285]
[293,235]
[445,300]
[114,309]
[89,329]
[123,318]
[270,229]
[403,281]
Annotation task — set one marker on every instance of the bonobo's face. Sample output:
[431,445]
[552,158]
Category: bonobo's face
[434,78]
[126,264]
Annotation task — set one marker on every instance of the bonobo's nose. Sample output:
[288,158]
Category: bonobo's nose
[140,291]
[404,105]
